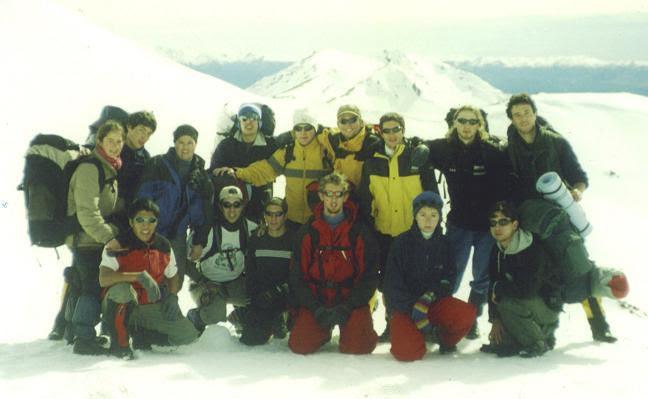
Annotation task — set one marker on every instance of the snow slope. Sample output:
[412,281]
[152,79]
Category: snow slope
[414,86]
[58,76]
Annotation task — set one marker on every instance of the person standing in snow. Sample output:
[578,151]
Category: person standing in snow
[535,149]
[93,206]
[141,285]
[475,169]
[304,160]
[217,277]
[247,145]
[178,184]
[388,186]
[419,280]
[333,274]
[521,285]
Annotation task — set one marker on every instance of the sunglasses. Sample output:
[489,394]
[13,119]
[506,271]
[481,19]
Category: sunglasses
[396,129]
[303,128]
[228,205]
[333,194]
[248,117]
[471,122]
[348,121]
[142,219]
[501,222]
[276,214]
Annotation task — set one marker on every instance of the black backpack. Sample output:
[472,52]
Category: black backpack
[49,164]
[267,122]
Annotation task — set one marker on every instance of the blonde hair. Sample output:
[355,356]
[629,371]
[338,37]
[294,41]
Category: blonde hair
[481,129]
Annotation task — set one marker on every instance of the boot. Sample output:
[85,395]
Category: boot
[116,321]
[88,346]
[194,317]
[478,300]
[596,318]
[279,329]
[144,339]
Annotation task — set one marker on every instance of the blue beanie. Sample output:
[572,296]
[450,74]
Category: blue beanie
[427,198]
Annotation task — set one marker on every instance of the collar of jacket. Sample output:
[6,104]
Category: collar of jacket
[380,151]
[522,240]
[196,163]
[418,236]
[454,140]
[258,141]
[349,208]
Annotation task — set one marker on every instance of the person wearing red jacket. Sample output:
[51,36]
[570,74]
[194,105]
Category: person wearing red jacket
[333,274]
[141,282]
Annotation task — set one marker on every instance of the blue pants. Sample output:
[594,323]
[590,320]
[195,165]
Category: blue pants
[87,310]
[461,241]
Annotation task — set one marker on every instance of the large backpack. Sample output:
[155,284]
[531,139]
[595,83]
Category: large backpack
[49,164]
[267,122]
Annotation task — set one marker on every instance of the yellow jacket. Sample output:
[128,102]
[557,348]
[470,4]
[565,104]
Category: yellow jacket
[345,151]
[387,190]
[308,164]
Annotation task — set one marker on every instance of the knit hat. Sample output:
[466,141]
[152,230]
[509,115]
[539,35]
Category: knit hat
[231,193]
[110,112]
[427,198]
[349,109]
[185,130]
[304,115]
[249,108]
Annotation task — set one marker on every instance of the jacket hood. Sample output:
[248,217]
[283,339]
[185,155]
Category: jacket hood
[522,240]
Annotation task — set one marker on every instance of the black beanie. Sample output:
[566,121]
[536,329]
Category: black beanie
[185,130]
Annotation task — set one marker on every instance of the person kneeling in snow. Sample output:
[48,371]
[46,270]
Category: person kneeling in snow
[522,287]
[134,305]
[419,281]
[333,274]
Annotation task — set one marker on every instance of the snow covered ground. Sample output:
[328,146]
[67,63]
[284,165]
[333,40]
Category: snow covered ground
[57,73]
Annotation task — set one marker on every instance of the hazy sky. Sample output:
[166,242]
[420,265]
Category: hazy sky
[290,29]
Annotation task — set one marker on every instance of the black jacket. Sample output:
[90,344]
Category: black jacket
[131,171]
[549,152]
[416,265]
[477,175]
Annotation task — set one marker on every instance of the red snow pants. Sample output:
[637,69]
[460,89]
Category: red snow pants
[357,336]
[452,318]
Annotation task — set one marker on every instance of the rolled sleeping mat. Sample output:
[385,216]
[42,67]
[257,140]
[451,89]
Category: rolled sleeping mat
[553,189]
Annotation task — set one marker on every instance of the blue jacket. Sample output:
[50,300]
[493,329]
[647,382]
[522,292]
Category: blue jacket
[416,265]
[182,204]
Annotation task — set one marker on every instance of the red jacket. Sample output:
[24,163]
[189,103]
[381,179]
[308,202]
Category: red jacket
[330,267]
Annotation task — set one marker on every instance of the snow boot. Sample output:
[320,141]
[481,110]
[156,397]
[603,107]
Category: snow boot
[116,321]
[194,317]
[88,346]
[478,300]
[144,339]
[596,318]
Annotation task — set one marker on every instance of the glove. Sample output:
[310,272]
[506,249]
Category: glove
[342,313]
[170,308]
[150,285]
[445,288]
[325,317]
[419,157]
[420,312]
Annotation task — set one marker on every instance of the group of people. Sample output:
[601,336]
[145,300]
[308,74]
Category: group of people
[362,214]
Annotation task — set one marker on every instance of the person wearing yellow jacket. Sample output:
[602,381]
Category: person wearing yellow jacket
[303,161]
[389,185]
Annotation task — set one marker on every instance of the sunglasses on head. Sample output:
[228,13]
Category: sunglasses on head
[333,194]
[304,127]
[395,129]
[228,205]
[142,219]
[501,222]
[348,121]
[271,214]
[471,122]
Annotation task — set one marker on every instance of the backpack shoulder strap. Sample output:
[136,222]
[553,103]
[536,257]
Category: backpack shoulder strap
[102,174]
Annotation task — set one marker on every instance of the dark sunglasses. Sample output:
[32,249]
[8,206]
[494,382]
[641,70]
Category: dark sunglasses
[228,205]
[396,129]
[471,122]
[303,128]
[501,222]
[348,121]
[249,117]
[333,194]
[271,214]
[142,219]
